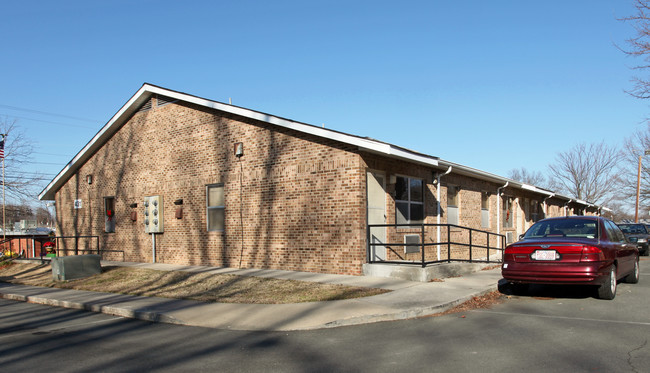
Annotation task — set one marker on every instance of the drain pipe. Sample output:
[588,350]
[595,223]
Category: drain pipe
[565,207]
[438,212]
[499,210]
[545,205]
[153,246]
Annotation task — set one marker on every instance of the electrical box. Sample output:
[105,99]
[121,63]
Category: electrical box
[153,214]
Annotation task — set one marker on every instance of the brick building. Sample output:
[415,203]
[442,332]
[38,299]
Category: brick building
[176,178]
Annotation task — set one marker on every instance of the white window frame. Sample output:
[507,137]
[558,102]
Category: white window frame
[453,210]
[216,207]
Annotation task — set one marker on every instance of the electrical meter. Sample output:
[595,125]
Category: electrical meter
[153,214]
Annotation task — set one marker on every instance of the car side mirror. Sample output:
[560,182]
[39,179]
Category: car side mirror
[521,237]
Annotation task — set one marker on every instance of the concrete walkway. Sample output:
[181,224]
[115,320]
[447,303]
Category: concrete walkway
[406,300]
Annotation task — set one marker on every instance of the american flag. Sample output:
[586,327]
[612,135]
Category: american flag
[2,146]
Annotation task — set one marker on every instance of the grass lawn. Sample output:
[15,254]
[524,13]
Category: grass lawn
[205,287]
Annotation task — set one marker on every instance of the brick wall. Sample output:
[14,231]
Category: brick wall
[299,200]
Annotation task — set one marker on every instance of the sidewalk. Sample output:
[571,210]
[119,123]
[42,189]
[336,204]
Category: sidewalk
[406,300]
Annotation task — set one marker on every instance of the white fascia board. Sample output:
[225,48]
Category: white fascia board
[535,189]
[362,143]
[104,132]
[147,90]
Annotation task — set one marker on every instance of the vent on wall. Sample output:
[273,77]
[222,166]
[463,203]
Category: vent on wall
[411,243]
[146,106]
[163,100]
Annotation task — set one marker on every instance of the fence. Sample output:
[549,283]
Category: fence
[462,244]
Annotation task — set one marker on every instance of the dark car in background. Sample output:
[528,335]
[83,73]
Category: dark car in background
[575,250]
[638,234]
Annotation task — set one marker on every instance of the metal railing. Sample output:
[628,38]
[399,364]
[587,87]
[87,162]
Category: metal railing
[87,250]
[474,252]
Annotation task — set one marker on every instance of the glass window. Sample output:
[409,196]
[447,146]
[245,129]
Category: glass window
[216,207]
[485,210]
[558,228]
[534,211]
[508,213]
[485,201]
[109,214]
[409,200]
[452,196]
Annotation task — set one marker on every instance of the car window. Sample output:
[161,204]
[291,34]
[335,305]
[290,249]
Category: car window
[580,228]
[633,228]
[616,233]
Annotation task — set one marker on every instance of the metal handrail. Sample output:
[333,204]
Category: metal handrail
[423,245]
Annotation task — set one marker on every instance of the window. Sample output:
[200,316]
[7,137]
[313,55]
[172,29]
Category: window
[534,211]
[109,214]
[452,204]
[409,200]
[485,210]
[216,206]
[508,212]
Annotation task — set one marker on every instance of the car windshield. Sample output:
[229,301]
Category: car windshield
[579,228]
[632,228]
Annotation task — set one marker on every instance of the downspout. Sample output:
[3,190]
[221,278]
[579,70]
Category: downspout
[545,205]
[499,210]
[438,212]
[565,207]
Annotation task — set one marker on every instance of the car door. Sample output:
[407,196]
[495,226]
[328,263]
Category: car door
[625,251]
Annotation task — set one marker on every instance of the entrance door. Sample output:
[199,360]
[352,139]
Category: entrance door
[376,189]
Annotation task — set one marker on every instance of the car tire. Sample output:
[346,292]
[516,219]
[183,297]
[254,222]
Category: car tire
[608,288]
[519,289]
[633,277]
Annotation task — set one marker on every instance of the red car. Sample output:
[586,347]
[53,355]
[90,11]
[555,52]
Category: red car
[575,250]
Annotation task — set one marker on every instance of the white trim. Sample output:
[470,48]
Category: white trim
[147,90]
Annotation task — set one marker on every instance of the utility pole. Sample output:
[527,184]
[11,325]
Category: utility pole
[638,188]
[3,137]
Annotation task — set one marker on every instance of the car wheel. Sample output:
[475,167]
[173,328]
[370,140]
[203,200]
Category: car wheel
[608,289]
[633,277]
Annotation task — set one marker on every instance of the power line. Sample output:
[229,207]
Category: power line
[48,113]
[60,164]
[56,155]
[57,123]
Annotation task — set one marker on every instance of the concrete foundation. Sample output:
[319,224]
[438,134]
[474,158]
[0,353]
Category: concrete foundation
[72,267]
[426,274]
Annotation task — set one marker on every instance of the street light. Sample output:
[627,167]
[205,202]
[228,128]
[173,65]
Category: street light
[638,188]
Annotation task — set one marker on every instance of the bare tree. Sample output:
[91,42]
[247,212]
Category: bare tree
[529,177]
[633,148]
[640,46]
[587,172]
[20,186]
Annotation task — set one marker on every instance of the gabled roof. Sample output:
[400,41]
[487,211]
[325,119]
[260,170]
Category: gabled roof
[148,90]
[363,143]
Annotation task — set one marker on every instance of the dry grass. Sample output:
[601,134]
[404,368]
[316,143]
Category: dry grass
[205,287]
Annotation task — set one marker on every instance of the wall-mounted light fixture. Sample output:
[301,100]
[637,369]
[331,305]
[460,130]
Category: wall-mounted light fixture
[89,179]
[178,201]
[239,149]
[133,205]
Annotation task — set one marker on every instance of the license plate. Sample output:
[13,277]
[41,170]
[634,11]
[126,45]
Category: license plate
[544,255]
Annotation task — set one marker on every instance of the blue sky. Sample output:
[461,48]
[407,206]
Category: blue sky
[494,85]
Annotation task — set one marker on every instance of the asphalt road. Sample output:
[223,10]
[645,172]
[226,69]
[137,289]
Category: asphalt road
[551,329]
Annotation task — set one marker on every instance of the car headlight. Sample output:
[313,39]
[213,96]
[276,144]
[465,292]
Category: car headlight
[642,240]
